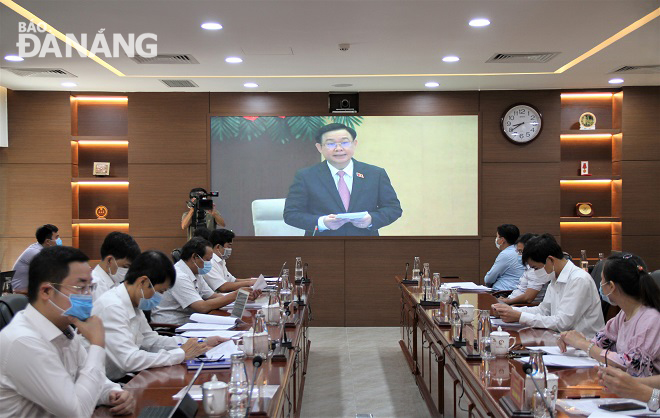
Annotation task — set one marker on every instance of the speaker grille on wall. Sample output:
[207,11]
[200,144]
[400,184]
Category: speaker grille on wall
[343,102]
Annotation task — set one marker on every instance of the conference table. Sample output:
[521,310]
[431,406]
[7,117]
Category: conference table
[456,382]
[155,387]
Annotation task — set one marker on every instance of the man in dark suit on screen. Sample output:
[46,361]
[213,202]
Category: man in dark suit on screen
[340,185]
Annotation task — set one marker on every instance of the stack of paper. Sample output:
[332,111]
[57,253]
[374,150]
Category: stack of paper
[497,322]
[195,326]
[565,361]
[213,319]
[467,286]
[554,350]
[224,351]
[206,334]
[249,305]
[352,215]
[590,407]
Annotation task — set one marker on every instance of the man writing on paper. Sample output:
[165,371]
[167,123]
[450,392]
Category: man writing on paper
[340,185]
[219,278]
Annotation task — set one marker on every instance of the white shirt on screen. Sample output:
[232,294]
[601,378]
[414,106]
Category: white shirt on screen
[348,178]
[103,282]
[130,343]
[571,302]
[44,373]
[188,289]
[219,274]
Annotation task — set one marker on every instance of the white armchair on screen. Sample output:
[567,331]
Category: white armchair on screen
[268,219]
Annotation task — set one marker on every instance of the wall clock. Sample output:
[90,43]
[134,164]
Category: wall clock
[521,123]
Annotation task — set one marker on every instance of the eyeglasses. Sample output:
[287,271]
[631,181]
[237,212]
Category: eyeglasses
[83,290]
[333,145]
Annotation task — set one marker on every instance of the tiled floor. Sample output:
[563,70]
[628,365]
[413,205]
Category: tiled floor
[359,371]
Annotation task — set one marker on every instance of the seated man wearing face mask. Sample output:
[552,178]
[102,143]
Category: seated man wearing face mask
[507,269]
[571,300]
[190,293]
[131,344]
[47,236]
[219,278]
[117,253]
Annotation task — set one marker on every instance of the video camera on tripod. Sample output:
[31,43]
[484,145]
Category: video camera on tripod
[201,201]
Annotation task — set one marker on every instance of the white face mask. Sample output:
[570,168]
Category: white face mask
[496,243]
[542,276]
[119,274]
[226,254]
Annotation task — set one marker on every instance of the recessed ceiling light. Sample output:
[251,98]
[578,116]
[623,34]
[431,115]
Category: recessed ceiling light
[432,84]
[479,22]
[450,58]
[14,58]
[69,84]
[233,60]
[251,85]
[211,26]
[616,81]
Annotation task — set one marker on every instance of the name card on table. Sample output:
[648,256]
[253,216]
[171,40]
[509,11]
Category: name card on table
[517,390]
[239,304]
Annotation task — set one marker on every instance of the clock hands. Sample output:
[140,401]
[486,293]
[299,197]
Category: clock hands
[515,126]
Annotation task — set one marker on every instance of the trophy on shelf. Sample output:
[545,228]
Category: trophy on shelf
[587,121]
[101,169]
[101,212]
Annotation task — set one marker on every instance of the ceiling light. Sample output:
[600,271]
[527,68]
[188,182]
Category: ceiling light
[14,58]
[450,58]
[251,85]
[69,84]
[616,81]
[233,60]
[211,26]
[432,84]
[479,23]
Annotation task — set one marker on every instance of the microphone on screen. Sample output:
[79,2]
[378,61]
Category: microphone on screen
[528,369]
[257,361]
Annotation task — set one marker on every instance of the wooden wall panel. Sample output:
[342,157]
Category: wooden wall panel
[163,244]
[371,264]
[269,104]
[523,194]
[644,246]
[419,103]
[157,197]
[39,128]
[167,128]
[101,119]
[263,255]
[641,197]
[496,148]
[641,125]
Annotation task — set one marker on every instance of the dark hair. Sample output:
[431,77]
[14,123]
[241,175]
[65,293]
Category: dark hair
[630,274]
[51,265]
[196,245]
[221,236]
[202,232]
[524,238]
[153,264]
[119,245]
[193,192]
[45,232]
[509,232]
[333,127]
[540,248]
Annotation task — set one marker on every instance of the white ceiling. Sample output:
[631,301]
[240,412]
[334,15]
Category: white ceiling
[386,37]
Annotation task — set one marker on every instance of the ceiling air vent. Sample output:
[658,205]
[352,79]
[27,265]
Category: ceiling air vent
[637,69]
[516,58]
[41,72]
[167,59]
[179,83]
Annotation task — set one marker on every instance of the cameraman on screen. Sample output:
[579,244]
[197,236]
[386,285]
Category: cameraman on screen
[189,220]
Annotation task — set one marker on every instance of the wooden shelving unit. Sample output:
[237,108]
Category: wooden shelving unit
[99,127]
[602,148]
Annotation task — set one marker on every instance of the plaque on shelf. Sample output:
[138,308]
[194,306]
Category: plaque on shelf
[101,212]
[587,121]
[101,169]
[584,168]
[584,209]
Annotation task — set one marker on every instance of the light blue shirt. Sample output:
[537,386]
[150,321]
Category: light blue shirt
[22,266]
[348,178]
[506,271]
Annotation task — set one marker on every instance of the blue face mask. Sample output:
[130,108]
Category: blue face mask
[81,306]
[58,241]
[605,297]
[206,269]
[149,304]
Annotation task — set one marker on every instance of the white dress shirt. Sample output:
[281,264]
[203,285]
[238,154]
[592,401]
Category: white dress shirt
[188,289]
[348,178]
[130,343]
[103,282]
[219,274]
[43,373]
[571,302]
[530,281]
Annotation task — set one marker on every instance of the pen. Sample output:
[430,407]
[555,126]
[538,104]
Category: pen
[199,340]
[583,397]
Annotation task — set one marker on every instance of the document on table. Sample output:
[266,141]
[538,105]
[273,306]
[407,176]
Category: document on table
[590,407]
[224,350]
[272,279]
[260,283]
[466,286]
[213,319]
[498,322]
[249,305]
[352,215]
[554,350]
[206,334]
[565,361]
[196,326]
[267,391]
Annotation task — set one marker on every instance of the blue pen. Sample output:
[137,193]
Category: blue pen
[199,340]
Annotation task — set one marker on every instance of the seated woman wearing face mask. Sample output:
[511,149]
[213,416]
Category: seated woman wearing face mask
[631,339]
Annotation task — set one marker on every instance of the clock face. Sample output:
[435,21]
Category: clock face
[521,124]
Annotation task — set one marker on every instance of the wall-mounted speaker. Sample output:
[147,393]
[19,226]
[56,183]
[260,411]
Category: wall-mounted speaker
[343,102]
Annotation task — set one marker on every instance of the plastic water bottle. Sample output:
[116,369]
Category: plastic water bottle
[238,387]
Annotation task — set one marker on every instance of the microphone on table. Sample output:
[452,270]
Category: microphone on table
[406,276]
[528,369]
[257,361]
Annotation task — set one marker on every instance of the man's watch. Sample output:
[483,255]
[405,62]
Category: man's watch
[654,402]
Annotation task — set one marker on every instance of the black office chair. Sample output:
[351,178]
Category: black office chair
[176,255]
[10,305]
[6,276]
[656,277]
